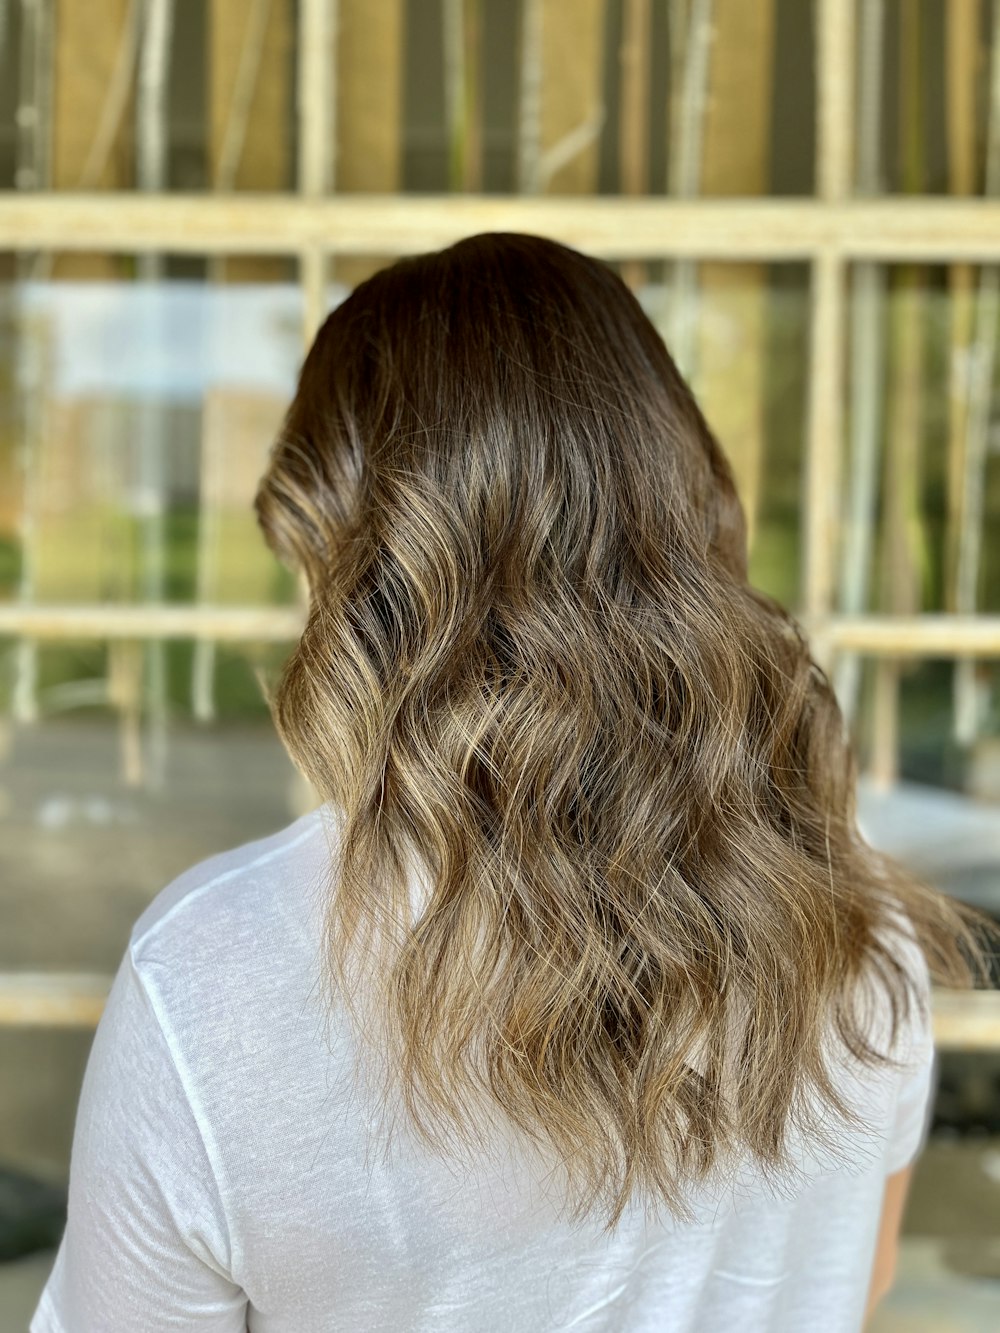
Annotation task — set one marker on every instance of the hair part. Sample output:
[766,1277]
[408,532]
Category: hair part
[533,668]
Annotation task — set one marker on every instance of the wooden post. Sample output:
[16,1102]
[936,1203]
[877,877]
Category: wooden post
[902,535]
[822,479]
[732,337]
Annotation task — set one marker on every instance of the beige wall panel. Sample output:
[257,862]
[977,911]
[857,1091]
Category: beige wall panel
[572,88]
[89,37]
[369,91]
[264,161]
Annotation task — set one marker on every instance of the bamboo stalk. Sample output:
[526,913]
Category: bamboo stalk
[633,59]
[867,312]
[633,140]
[977,420]
[463,93]
[317,118]
[33,168]
[317,99]
[691,33]
[835,32]
[39,39]
[822,476]
[961,62]
[151,175]
[529,105]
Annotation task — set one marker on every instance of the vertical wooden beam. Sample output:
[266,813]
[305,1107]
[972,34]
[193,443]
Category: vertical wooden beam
[33,171]
[692,32]
[316,102]
[732,339]
[834,169]
[867,353]
[969,461]
[962,52]
[530,76]
[463,93]
[902,535]
[835,38]
[634,58]
[317,120]
[823,433]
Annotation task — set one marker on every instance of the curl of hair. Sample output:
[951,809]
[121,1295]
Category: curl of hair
[533,667]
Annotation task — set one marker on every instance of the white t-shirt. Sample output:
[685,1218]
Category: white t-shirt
[220,1178]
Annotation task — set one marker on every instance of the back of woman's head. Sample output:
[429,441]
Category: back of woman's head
[533,666]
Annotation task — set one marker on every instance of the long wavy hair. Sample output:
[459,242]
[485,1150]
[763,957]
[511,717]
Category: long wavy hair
[533,668]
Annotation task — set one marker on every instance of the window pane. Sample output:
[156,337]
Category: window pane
[140,413]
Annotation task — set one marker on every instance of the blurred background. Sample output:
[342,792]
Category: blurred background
[805,195]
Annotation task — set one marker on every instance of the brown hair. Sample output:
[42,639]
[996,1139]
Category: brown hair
[533,664]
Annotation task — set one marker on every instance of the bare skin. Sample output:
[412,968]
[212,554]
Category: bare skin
[887,1247]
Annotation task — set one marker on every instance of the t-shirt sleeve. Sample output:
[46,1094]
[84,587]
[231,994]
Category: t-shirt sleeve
[146,1243]
[916,1084]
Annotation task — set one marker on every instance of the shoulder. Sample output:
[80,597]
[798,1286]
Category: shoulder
[246,885]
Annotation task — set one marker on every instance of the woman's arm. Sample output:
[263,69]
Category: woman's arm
[887,1248]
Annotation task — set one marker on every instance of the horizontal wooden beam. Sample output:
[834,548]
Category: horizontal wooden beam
[967,1020]
[930,635]
[232,624]
[963,1020]
[788,228]
[52,999]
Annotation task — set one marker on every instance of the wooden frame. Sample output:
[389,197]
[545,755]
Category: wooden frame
[933,228]
[930,635]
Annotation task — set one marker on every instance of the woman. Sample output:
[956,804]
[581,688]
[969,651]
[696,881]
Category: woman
[580,1002]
